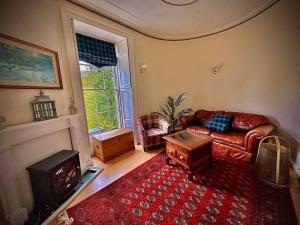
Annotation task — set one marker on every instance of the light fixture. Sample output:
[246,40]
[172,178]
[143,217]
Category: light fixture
[143,68]
[179,2]
[217,69]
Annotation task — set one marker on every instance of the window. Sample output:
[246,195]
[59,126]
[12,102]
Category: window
[101,97]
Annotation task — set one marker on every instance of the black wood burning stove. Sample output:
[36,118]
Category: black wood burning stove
[54,178]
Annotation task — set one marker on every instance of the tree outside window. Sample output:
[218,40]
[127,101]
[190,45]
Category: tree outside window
[101,97]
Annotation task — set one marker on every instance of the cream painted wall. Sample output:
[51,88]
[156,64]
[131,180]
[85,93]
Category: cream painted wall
[261,71]
[37,22]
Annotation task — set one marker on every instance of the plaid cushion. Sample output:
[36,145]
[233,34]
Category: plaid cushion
[223,118]
[217,126]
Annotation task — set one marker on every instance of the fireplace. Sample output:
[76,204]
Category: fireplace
[54,179]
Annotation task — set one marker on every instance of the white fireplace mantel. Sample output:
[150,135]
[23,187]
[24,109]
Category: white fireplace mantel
[17,134]
[11,136]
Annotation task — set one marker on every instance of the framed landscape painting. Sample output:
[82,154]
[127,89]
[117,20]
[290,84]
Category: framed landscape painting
[26,65]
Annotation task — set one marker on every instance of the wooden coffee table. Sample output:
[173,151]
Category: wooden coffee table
[190,150]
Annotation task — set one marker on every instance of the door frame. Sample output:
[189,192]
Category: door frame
[68,17]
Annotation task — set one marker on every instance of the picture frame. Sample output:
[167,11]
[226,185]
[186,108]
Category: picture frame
[28,66]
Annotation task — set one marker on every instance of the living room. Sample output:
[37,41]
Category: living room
[251,67]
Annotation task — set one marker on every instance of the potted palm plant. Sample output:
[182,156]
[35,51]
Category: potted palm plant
[169,110]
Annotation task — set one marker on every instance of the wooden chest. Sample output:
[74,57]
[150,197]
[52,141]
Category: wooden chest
[113,143]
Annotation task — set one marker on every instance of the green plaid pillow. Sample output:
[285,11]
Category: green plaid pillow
[223,118]
[217,126]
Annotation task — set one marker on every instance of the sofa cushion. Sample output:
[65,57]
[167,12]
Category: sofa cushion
[232,137]
[204,115]
[217,126]
[247,121]
[199,129]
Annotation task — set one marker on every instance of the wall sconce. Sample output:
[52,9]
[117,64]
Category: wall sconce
[143,68]
[216,69]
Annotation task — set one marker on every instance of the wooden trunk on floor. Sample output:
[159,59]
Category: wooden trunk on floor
[113,143]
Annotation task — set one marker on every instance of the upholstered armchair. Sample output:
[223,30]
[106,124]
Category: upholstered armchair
[151,129]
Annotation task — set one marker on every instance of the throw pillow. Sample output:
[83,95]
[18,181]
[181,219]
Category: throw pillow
[217,126]
[223,118]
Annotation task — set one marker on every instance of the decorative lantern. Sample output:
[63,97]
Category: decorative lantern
[272,162]
[43,107]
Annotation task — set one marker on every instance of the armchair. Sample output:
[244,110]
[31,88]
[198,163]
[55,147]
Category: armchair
[151,129]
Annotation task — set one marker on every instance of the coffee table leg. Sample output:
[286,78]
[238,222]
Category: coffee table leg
[168,160]
[190,175]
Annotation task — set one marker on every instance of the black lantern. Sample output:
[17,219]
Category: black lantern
[43,107]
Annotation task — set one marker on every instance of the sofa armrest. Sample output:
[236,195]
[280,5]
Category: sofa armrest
[255,135]
[188,121]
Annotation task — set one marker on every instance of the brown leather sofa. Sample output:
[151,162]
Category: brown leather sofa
[241,142]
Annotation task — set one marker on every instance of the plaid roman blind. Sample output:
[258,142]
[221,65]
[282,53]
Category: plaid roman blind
[96,52]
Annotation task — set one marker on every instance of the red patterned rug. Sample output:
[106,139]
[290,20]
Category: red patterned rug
[155,193]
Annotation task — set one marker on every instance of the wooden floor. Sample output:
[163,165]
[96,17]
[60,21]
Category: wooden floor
[116,168]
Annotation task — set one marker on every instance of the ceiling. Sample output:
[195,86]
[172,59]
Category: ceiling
[96,32]
[160,20]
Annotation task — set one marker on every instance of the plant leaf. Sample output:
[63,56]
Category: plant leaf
[184,111]
[171,104]
[165,111]
[170,101]
[180,99]
[170,111]
[162,115]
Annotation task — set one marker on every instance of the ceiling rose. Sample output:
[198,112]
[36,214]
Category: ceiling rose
[179,2]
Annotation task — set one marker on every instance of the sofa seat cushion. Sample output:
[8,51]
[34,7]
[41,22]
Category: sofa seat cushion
[231,137]
[199,129]
[155,132]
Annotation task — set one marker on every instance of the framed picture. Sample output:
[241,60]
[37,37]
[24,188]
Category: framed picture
[26,65]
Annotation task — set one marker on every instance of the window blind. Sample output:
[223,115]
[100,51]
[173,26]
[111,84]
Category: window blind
[96,52]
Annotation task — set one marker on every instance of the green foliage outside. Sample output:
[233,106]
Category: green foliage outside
[101,105]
